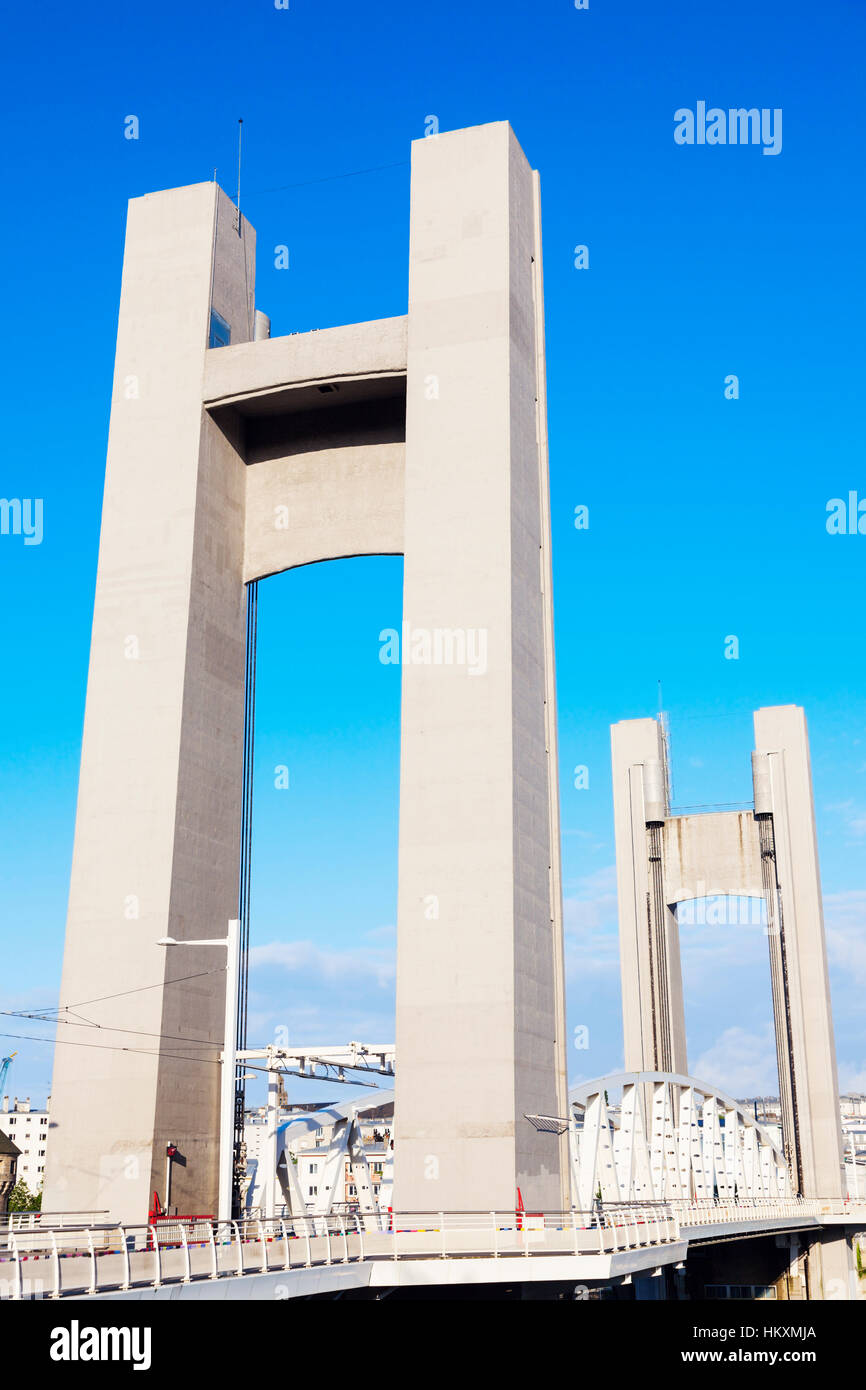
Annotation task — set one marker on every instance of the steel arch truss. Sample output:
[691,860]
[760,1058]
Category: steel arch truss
[672,1137]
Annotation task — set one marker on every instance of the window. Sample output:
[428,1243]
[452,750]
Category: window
[314,1167]
[313,1191]
[220,334]
[740,1291]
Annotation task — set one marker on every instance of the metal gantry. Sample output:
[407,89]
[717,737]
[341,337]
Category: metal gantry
[346,1140]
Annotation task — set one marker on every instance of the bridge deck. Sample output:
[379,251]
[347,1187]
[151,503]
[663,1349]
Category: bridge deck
[278,1258]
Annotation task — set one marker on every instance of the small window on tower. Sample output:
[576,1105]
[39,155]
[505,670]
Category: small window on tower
[220,333]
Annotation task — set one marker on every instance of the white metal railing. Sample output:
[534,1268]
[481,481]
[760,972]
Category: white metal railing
[52,1263]
[706,1211]
[29,1220]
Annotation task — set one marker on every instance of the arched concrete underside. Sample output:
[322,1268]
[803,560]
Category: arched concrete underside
[325,454]
[710,855]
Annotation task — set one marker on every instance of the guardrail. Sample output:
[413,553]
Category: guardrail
[91,1260]
[29,1220]
[43,1261]
[707,1211]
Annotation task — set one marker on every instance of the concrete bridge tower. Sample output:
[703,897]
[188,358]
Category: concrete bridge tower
[233,457]
[769,852]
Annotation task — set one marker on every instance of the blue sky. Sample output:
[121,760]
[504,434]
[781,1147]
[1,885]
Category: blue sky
[704,261]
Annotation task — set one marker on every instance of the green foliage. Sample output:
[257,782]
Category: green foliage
[22,1199]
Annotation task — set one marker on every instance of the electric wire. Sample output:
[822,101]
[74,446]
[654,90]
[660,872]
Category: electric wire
[101,998]
[109,1047]
[115,1028]
[330,178]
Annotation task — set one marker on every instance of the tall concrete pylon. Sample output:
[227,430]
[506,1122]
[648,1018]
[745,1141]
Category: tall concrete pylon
[422,435]
[769,852]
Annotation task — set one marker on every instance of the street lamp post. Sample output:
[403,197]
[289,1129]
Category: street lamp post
[270,1182]
[231,942]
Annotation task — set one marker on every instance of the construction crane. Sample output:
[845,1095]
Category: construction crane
[5,1064]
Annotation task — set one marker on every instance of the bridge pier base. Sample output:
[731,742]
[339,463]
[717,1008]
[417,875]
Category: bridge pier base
[831,1268]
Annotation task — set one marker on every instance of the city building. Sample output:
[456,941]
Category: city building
[9,1153]
[377,1125]
[29,1129]
[852,1113]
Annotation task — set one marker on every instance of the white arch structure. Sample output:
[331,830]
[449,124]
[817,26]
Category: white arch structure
[701,1143]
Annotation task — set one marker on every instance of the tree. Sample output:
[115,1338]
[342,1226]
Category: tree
[22,1199]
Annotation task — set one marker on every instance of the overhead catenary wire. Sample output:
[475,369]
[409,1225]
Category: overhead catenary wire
[114,1028]
[102,998]
[109,1047]
[330,178]
[38,1016]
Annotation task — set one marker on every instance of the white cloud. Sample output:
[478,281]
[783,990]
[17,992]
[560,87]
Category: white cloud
[741,1063]
[845,926]
[305,994]
[386,933]
[852,1077]
[590,924]
[854,814]
[361,965]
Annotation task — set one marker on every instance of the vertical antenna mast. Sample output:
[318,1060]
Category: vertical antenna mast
[666,736]
[238,199]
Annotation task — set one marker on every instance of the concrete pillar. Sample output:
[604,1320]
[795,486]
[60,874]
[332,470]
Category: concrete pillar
[480,1011]
[654,1029]
[155,849]
[780,733]
[805,1041]
[831,1267]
